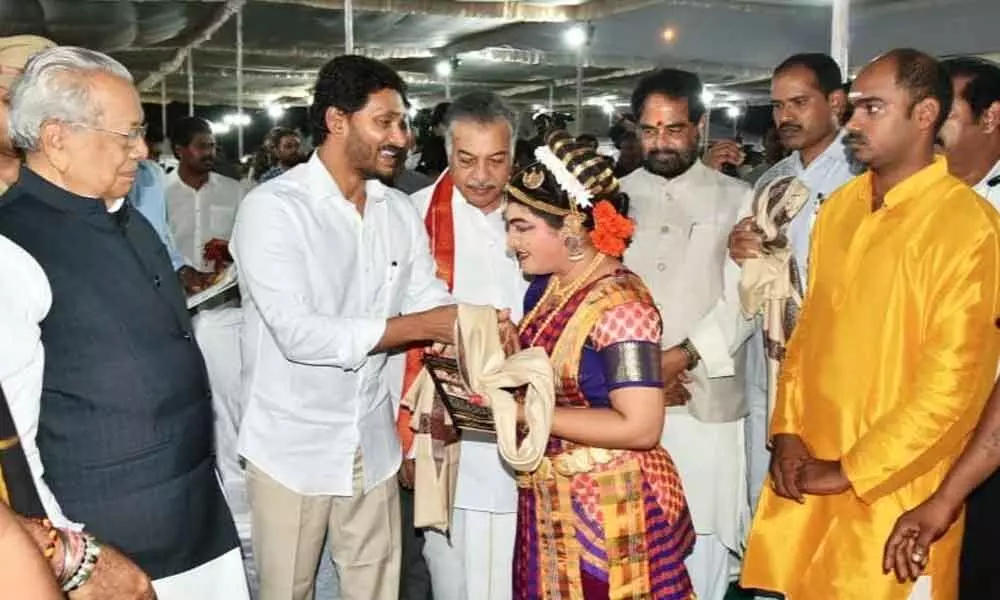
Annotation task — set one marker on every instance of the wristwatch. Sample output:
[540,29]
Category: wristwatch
[692,353]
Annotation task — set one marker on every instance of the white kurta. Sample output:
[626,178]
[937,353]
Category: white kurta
[218,333]
[476,562]
[680,250]
[197,216]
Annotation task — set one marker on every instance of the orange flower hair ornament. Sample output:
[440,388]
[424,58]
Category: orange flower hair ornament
[611,230]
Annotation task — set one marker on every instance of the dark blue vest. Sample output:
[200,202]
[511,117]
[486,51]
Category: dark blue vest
[125,432]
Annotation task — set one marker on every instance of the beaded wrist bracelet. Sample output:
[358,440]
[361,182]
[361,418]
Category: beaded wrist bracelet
[91,552]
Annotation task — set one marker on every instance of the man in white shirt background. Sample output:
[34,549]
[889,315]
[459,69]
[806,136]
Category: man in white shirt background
[474,561]
[808,102]
[971,139]
[971,135]
[335,270]
[684,212]
[201,204]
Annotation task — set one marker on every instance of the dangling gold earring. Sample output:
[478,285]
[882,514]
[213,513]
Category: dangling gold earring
[572,234]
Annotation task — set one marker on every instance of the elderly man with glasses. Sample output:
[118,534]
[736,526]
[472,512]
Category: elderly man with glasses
[123,426]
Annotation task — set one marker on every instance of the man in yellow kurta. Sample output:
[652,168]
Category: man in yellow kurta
[892,359]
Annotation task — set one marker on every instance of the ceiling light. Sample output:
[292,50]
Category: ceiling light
[707,96]
[608,109]
[733,112]
[669,35]
[275,111]
[236,120]
[219,128]
[576,36]
[443,68]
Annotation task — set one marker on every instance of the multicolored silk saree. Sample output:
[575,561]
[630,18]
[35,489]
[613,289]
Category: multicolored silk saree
[593,523]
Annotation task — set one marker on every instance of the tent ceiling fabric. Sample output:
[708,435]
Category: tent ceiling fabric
[514,48]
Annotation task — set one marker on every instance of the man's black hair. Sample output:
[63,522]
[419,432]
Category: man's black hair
[672,83]
[823,67]
[924,77]
[345,83]
[983,88]
[186,128]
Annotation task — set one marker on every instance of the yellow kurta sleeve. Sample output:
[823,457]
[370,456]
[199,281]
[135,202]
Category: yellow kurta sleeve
[958,357]
[787,405]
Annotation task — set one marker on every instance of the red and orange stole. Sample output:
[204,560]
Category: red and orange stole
[440,225]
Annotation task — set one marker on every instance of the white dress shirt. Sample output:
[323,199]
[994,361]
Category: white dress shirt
[318,283]
[827,172]
[197,216]
[484,274]
[25,299]
[990,192]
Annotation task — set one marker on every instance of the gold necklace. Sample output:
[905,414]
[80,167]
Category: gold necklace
[554,288]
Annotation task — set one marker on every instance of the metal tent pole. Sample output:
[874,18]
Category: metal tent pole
[190,70]
[239,85]
[348,27]
[840,35]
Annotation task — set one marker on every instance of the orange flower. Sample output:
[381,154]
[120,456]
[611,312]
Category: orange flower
[611,230]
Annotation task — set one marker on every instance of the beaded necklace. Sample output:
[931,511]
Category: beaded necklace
[564,294]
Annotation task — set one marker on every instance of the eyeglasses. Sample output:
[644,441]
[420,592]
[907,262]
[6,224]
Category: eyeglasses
[132,136]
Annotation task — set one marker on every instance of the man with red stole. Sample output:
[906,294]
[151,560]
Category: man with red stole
[462,212]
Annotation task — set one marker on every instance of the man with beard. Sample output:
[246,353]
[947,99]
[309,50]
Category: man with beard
[971,138]
[468,239]
[684,212]
[893,357]
[335,270]
[285,144]
[201,204]
[808,102]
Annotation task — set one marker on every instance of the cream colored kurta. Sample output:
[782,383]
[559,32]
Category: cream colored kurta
[887,371]
[679,250]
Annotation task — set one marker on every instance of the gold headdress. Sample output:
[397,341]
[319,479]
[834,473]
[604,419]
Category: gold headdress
[565,166]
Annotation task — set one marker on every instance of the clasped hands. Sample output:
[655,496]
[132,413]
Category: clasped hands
[673,363]
[795,472]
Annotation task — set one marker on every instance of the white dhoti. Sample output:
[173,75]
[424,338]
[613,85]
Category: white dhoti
[477,562]
[218,334]
[219,579]
[711,461]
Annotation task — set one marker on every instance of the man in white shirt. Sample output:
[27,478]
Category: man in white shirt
[335,270]
[201,204]
[684,212]
[474,561]
[971,135]
[971,138]
[808,101]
